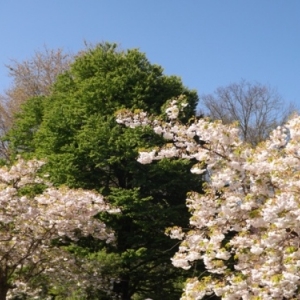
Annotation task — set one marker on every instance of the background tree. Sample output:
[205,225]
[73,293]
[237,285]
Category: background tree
[257,108]
[30,78]
[75,129]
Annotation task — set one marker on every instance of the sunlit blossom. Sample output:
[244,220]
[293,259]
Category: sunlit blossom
[251,206]
[29,224]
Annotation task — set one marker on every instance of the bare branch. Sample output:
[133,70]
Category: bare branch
[257,108]
[30,78]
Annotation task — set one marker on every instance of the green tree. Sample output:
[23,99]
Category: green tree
[75,129]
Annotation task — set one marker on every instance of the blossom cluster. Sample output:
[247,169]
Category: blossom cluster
[245,226]
[30,222]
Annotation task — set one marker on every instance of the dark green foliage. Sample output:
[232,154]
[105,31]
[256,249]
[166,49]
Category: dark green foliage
[75,130]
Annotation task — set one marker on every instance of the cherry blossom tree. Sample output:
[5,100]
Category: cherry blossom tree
[245,227]
[34,227]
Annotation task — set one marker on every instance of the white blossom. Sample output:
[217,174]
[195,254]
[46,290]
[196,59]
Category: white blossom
[246,226]
[29,225]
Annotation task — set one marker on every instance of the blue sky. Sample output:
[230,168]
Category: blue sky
[208,43]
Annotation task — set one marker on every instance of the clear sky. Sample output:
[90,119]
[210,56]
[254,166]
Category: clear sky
[208,43]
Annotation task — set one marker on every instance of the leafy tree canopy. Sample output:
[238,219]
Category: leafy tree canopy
[75,128]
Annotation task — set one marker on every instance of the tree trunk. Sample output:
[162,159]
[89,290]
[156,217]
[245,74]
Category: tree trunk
[122,288]
[3,290]
[125,291]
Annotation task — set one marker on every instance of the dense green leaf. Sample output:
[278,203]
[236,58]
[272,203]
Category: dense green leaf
[75,130]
